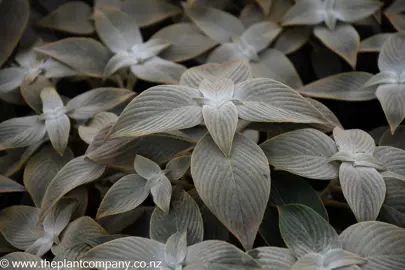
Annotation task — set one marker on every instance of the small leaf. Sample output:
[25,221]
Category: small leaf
[292,38]
[344,41]
[273,258]
[176,249]
[116,29]
[97,100]
[343,9]
[145,113]
[391,57]
[392,98]
[73,17]
[59,217]
[305,12]
[31,92]
[146,167]
[86,56]
[305,231]
[78,171]
[217,24]
[177,167]
[225,201]
[11,78]
[304,152]
[21,132]
[260,35]
[344,86]
[161,191]
[8,185]
[184,216]
[374,43]
[99,121]
[353,141]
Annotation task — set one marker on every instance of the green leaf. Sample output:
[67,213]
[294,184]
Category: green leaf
[11,78]
[84,55]
[273,258]
[14,17]
[391,56]
[116,29]
[219,255]
[344,86]
[184,216]
[305,12]
[217,24]
[304,152]
[95,101]
[187,41]
[343,40]
[241,203]
[8,185]
[374,43]
[392,98]
[381,244]
[41,169]
[21,132]
[158,109]
[72,17]
[364,189]
[305,231]
[78,171]
[99,121]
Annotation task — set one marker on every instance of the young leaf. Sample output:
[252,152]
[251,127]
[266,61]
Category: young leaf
[392,99]
[177,167]
[304,152]
[393,160]
[305,231]
[374,43]
[161,190]
[391,56]
[176,249]
[8,185]
[146,167]
[100,120]
[241,203]
[273,258]
[353,141]
[260,35]
[292,38]
[306,12]
[184,216]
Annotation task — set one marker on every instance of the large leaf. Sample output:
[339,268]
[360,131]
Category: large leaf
[158,109]
[86,56]
[187,42]
[391,57]
[305,231]
[240,204]
[219,255]
[97,100]
[116,29]
[8,185]
[215,23]
[392,99]
[343,40]
[20,132]
[184,216]
[381,244]
[13,20]
[273,258]
[305,152]
[344,86]
[76,172]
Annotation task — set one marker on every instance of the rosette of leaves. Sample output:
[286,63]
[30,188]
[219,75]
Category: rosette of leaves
[131,190]
[331,20]
[351,158]
[122,36]
[249,44]
[28,66]
[314,244]
[53,116]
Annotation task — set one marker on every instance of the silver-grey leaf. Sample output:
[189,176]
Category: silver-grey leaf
[273,258]
[391,57]
[304,12]
[11,78]
[8,185]
[392,98]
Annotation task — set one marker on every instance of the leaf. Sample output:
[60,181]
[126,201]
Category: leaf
[217,24]
[72,17]
[273,258]
[275,65]
[161,191]
[18,224]
[159,70]
[344,41]
[116,29]
[11,78]
[14,17]
[59,217]
[154,12]
[240,204]
[305,231]
[86,56]
[381,244]
[98,122]
[41,169]
[127,249]
[16,258]
[260,35]
[374,43]
[391,57]
[21,132]
[292,38]
[8,185]
[364,190]
[88,104]
[31,92]
[392,98]
[353,141]
[159,109]
[393,160]
[393,210]
[146,167]
[343,9]
[347,86]
[187,42]
[78,171]
[177,167]
[184,216]
[331,118]
[219,255]
[305,12]
[304,152]
[176,249]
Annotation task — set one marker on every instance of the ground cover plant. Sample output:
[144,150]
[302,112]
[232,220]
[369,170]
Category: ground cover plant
[202,134]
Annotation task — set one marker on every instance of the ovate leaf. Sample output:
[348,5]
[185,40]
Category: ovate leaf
[161,191]
[11,78]
[240,204]
[304,12]
[176,249]
[305,152]
[99,121]
[393,160]
[260,35]
[392,98]
[391,57]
